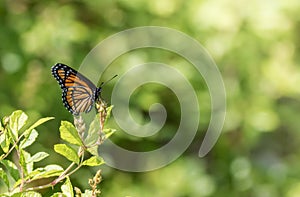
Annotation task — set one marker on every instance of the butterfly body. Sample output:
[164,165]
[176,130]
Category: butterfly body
[78,93]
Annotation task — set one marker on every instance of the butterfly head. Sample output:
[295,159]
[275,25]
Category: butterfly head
[99,89]
[98,94]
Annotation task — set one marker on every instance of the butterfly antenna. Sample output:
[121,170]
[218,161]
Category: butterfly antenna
[104,83]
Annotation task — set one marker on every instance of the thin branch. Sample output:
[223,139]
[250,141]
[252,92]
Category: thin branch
[39,187]
[13,147]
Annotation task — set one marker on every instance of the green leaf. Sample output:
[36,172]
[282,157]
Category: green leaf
[93,150]
[27,194]
[69,133]
[38,157]
[4,141]
[94,129]
[31,134]
[108,113]
[39,122]
[25,162]
[42,173]
[108,132]
[67,188]
[46,172]
[53,167]
[4,177]
[93,161]
[87,193]
[29,139]
[58,194]
[11,168]
[16,121]
[67,152]
[93,132]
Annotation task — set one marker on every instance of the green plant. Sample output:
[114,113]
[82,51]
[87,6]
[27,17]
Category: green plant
[19,173]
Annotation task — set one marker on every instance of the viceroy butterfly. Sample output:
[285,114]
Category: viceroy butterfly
[78,92]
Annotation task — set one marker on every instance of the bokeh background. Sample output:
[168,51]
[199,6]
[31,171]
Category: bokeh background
[256,45]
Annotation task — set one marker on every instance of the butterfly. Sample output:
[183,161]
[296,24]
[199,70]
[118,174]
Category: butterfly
[78,93]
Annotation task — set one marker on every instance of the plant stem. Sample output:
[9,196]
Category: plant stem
[39,187]
[13,147]
[63,175]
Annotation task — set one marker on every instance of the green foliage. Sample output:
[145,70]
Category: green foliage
[69,133]
[93,161]
[67,151]
[14,138]
[67,188]
[255,44]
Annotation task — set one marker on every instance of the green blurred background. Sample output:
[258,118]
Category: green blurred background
[256,45]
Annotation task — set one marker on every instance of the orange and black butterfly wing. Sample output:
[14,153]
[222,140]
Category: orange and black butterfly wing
[79,93]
